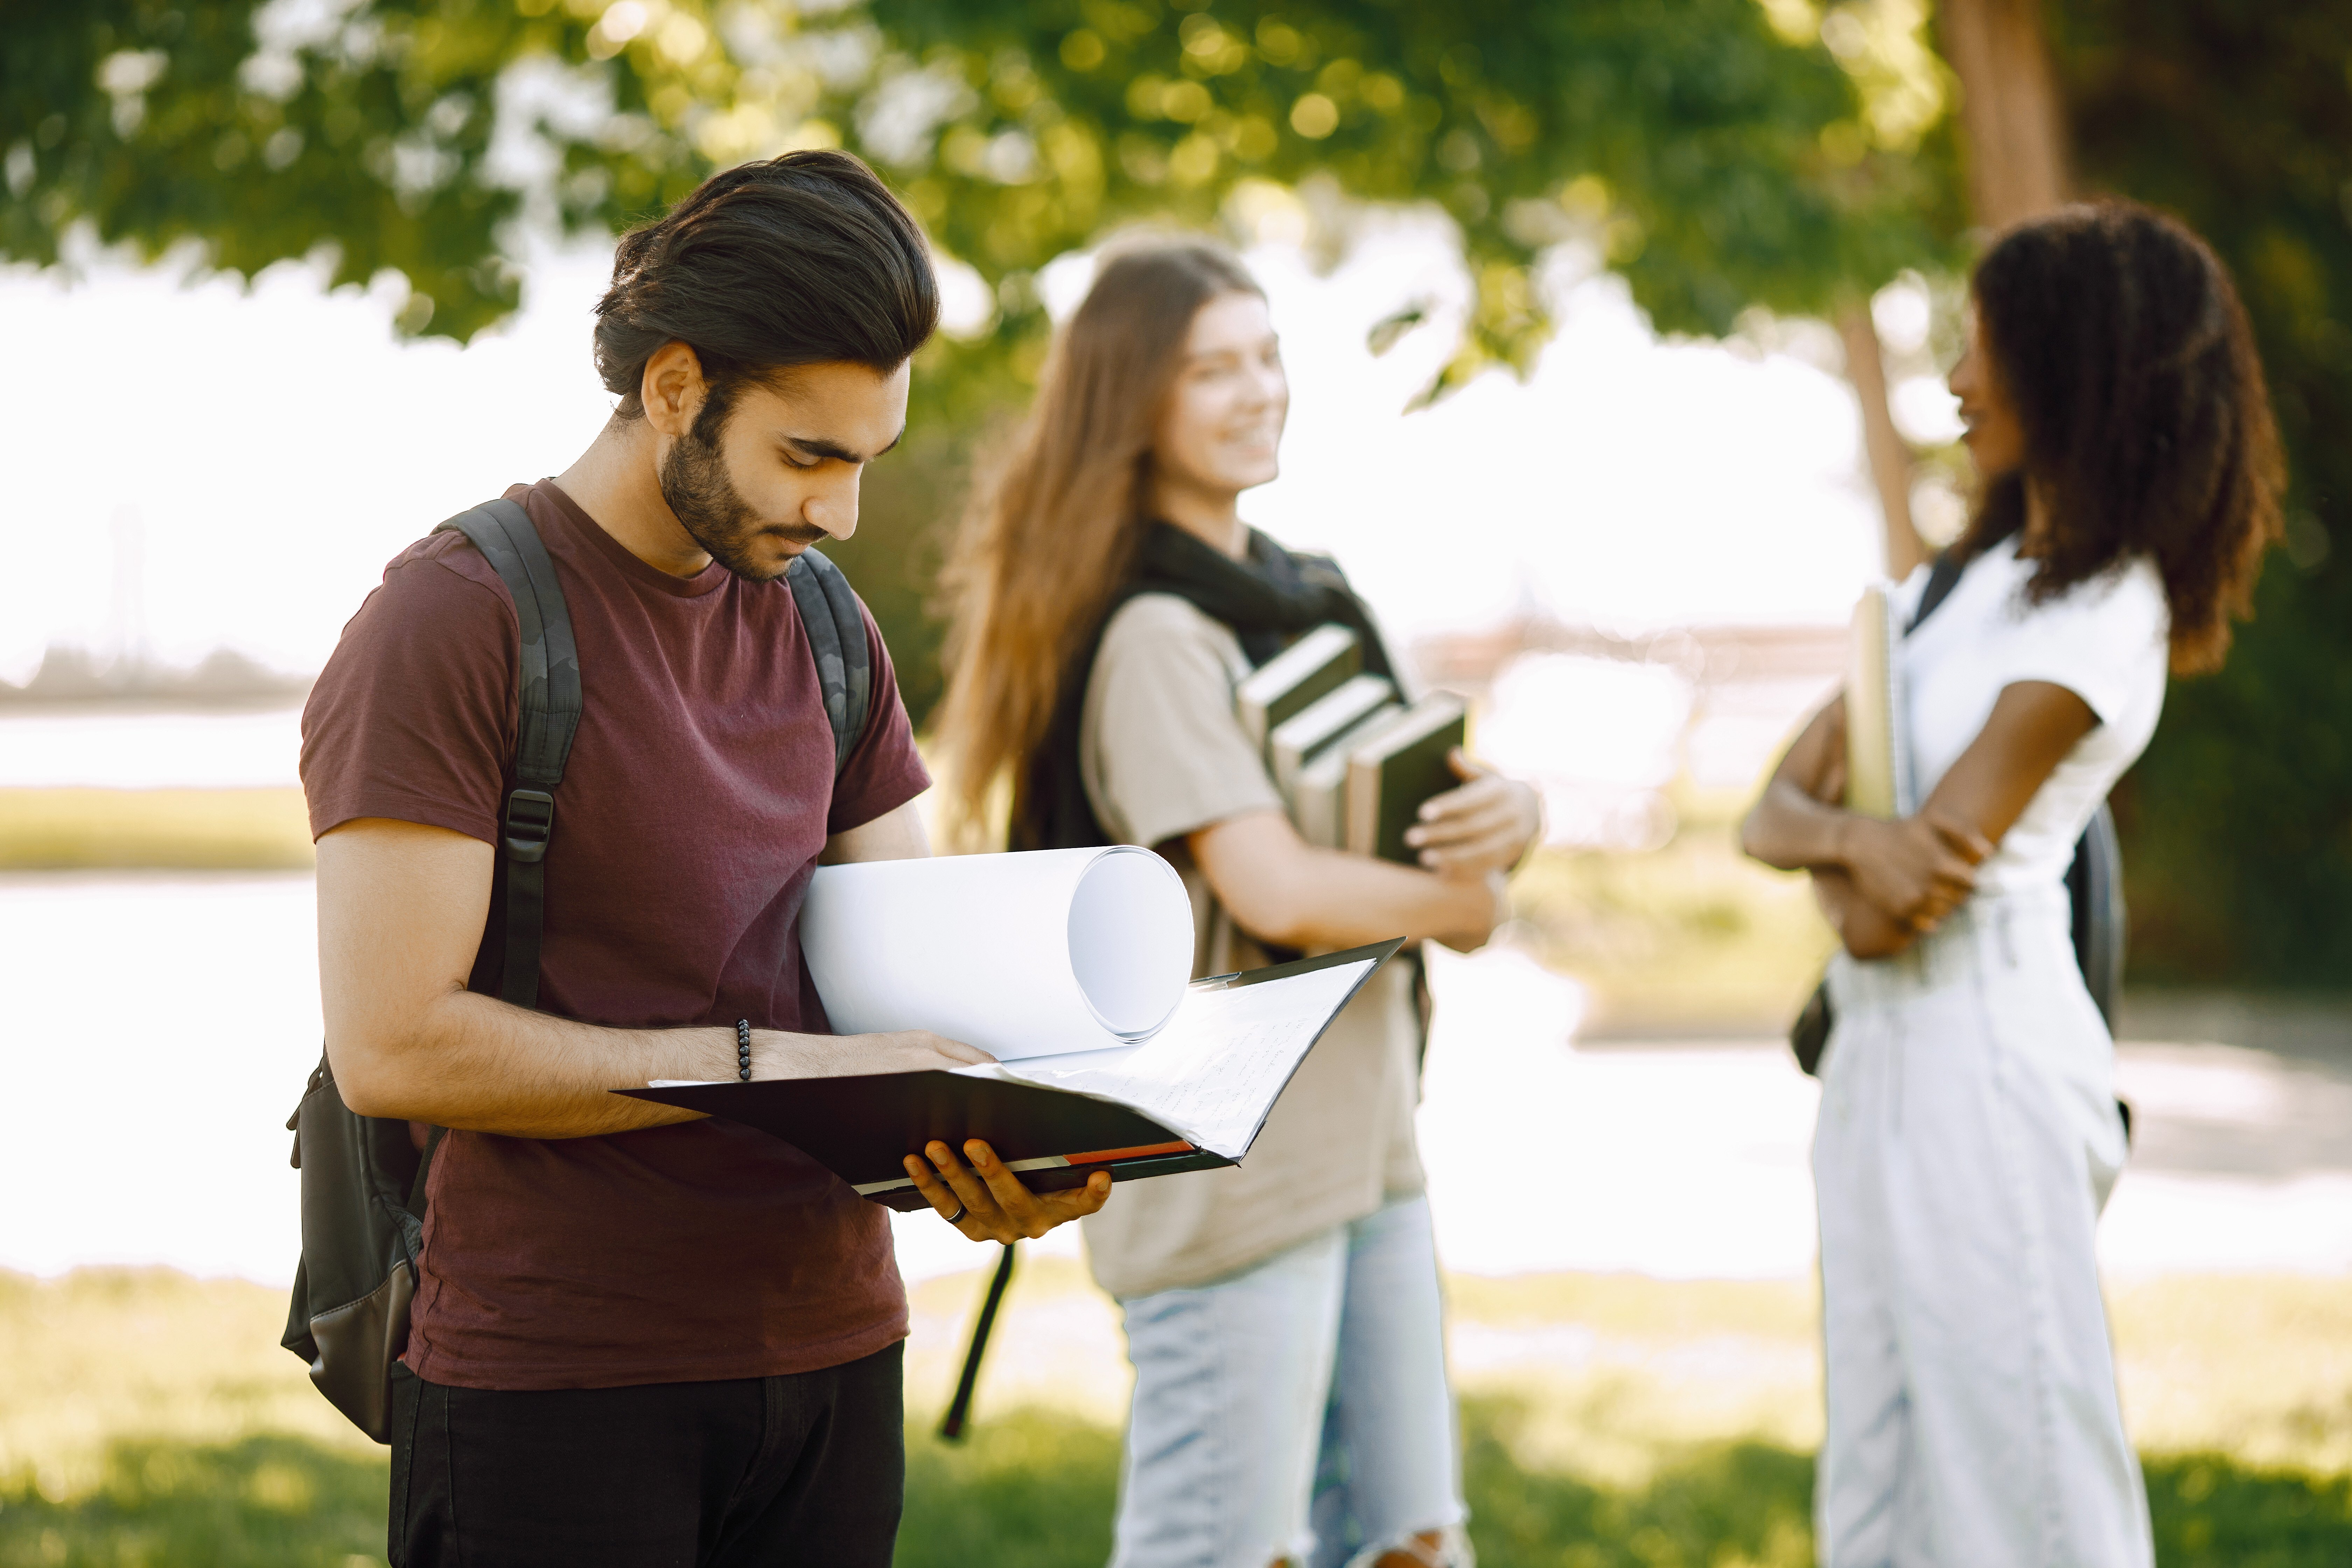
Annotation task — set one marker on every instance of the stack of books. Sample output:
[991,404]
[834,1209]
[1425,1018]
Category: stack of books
[1353,761]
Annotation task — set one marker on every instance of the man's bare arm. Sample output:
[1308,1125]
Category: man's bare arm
[400,908]
[895,835]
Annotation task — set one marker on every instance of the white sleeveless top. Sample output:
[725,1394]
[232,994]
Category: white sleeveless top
[2105,640]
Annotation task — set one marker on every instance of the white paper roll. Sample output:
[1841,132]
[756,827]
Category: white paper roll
[1022,955]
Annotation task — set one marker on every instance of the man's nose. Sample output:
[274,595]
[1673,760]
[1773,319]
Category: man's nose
[834,507]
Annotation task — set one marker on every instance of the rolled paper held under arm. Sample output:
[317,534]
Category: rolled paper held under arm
[1022,955]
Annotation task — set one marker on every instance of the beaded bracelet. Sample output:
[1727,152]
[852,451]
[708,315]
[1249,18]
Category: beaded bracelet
[744,1049]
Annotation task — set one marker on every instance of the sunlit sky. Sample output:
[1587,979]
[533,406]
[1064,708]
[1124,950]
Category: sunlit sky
[259,454]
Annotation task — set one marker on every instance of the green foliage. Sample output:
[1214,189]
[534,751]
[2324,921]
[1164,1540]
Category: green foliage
[1719,163]
[1714,162]
[2238,822]
[160,123]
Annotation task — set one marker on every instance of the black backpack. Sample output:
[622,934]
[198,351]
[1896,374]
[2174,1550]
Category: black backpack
[364,1176]
[2094,888]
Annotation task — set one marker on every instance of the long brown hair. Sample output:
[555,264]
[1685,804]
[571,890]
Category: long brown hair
[1051,535]
[2118,338]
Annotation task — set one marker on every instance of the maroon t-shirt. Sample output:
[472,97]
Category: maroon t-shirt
[698,793]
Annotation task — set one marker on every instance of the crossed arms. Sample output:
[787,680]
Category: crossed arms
[1883,885]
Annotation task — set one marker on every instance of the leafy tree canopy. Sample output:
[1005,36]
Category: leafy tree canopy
[2238,822]
[1720,154]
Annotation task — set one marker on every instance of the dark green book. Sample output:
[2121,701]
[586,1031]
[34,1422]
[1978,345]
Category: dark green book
[1390,775]
[1286,685]
[1299,739]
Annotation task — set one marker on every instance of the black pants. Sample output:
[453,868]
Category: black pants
[765,1471]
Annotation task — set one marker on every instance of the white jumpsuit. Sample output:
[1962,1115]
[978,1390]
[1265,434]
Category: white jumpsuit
[1969,1137]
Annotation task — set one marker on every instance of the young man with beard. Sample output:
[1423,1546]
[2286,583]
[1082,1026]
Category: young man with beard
[639,1336]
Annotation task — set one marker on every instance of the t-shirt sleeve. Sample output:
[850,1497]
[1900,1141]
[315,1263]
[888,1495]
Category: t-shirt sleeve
[1169,756]
[884,771]
[2096,639]
[413,717]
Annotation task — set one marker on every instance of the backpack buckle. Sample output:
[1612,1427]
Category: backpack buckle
[530,822]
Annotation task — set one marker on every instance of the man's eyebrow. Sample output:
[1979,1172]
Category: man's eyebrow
[816,446]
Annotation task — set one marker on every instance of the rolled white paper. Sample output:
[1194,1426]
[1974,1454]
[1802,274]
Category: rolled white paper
[1023,955]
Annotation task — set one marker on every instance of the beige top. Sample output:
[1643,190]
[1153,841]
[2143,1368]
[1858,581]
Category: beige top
[1162,756]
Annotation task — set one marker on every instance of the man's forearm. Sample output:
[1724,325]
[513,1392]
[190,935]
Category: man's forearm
[475,1062]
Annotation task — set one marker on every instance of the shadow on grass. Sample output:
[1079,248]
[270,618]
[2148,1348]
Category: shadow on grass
[263,1502]
[1036,1489]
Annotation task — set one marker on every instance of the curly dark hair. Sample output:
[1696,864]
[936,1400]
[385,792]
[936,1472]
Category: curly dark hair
[802,259]
[2119,340]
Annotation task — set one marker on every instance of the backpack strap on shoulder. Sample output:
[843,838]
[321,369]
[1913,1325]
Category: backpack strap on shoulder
[549,717]
[836,635]
[1942,578]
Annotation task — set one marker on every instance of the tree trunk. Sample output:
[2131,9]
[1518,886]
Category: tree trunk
[2010,120]
[1890,459]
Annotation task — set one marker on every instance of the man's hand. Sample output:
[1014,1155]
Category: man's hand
[1918,869]
[1485,825]
[776,1054]
[987,1203]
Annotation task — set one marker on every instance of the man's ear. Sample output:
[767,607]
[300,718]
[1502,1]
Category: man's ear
[672,388]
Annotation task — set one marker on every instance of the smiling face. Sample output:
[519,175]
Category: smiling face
[1220,432]
[1991,431]
[780,471]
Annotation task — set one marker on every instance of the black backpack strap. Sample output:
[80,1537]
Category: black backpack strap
[836,635]
[1942,578]
[2094,887]
[960,1408]
[549,703]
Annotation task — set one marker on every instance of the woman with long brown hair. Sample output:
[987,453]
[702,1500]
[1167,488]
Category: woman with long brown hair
[1283,1317]
[1968,1132]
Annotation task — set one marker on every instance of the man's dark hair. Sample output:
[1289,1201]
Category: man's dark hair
[2119,340]
[803,259]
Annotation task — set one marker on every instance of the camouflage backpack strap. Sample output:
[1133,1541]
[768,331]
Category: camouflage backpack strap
[836,635]
[548,716]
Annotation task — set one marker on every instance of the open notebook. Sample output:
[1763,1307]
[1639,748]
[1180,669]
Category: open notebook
[1191,1097]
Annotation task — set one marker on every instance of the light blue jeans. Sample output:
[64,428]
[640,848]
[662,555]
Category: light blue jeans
[1298,1408]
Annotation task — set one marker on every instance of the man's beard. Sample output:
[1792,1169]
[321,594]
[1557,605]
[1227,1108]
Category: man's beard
[695,484]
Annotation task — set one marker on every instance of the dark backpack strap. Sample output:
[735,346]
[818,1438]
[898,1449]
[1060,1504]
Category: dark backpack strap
[548,688]
[836,635]
[1942,578]
[2094,885]
[960,1408]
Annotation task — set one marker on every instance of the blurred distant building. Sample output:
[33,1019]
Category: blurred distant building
[72,676]
[1605,722]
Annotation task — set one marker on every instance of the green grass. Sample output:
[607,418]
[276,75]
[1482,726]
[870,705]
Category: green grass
[1609,1422]
[260,1502]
